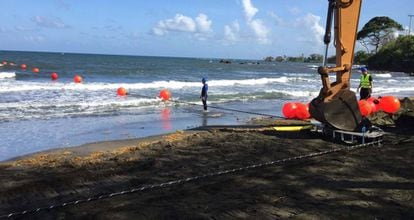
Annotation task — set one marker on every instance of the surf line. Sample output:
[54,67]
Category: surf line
[215,107]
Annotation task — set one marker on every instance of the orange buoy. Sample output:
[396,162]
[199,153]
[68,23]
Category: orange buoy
[165,95]
[54,76]
[77,79]
[364,107]
[374,104]
[289,110]
[121,91]
[389,104]
[35,70]
[302,111]
[23,66]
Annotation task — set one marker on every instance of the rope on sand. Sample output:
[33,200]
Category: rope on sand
[191,179]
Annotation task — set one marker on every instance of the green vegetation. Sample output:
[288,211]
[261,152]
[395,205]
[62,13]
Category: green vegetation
[378,32]
[361,57]
[384,50]
[389,52]
[313,58]
[397,55]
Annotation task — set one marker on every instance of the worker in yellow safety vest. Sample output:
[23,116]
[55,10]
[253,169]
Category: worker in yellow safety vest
[365,84]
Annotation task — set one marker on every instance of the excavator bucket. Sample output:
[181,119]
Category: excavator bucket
[341,113]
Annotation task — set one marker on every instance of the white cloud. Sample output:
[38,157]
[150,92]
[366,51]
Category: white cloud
[395,34]
[200,26]
[179,23]
[260,30]
[257,26]
[159,31]
[203,24]
[311,24]
[231,33]
[49,22]
[249,10]
[406,31]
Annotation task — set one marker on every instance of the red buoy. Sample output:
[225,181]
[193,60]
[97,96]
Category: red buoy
[121,91]
[165,95]
[35,70]
[389,104]
[289,110]
[4,62]
[302,111]
[23,66]
[374,104]
[77,79]
[54,76]
[364,107]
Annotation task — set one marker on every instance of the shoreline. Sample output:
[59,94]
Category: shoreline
[83,149]
[363,183]
[374,181]
[380,119]
[87,149]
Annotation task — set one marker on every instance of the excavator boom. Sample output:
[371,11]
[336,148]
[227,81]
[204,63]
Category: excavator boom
[336,104]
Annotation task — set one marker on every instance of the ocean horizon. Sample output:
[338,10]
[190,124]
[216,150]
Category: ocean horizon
[131,55]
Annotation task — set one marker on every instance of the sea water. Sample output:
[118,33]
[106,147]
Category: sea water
[38,114]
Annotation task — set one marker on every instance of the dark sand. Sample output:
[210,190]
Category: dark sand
[368,183]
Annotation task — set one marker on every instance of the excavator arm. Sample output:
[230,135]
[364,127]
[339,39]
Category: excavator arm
[336,104]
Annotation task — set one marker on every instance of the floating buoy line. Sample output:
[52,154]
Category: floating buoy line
[164,94]
[290,110]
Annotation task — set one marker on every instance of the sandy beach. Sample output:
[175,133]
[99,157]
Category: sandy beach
[367,182]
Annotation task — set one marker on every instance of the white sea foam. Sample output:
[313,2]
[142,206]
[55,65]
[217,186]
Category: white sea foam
[6,75]
[385,90]
[392,81]
[295,93]
[88,103]
[27,86]
[383,75]
[58,108]
[248,82]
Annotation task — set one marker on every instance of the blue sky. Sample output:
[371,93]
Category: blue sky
[250,29]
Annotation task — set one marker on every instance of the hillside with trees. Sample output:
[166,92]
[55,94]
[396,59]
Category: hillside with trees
[385,50]
[312,58]
[378,32]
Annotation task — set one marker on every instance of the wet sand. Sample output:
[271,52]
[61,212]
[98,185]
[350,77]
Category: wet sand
[366,183]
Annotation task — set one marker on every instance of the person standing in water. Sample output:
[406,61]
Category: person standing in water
[203,95]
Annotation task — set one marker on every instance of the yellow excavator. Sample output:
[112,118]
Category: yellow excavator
[336,105]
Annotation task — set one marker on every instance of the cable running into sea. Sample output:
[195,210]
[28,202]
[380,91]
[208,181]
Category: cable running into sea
[215,107]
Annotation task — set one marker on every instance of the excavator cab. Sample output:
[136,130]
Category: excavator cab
[336,105]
